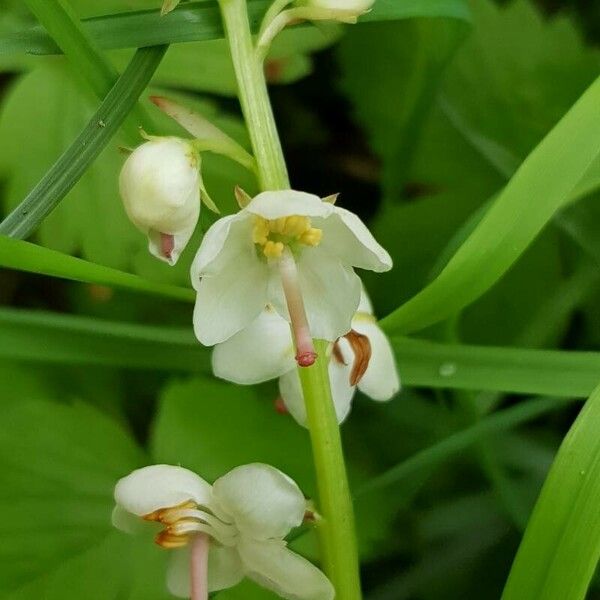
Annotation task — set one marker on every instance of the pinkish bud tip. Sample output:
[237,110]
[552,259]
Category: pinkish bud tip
[280,406]
[306,359]
[167,244]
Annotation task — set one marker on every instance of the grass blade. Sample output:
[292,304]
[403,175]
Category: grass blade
[457,442]
[67,339]
[539,188]
[69,168]
[199,21]
[561,546]
[24,256]
[511,370]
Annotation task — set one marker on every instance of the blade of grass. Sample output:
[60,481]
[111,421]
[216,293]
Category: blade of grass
[68,339]
[539,188]
[24,256]
[64,29]
[561,546]
[73,163]
[199,21]
[423,363]
[435,455]
[511,370]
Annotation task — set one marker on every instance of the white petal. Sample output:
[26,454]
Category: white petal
[224,570]
[262,351]
[263,501]
[181,240]
[365,305]
[126,521]
[347,237]
[341,390]
[331,293]
[381,380]
[160,486]
[228,303]
[285,203]
[274,566]
[214,242]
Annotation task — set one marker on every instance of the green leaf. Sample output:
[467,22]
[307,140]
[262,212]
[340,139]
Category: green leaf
[75,161]
[511,370]
[77,340]
[200,21]
[17,254]
[82,340]
[541,186]
[56,497]
[561,546]
[91,221]
[446,448]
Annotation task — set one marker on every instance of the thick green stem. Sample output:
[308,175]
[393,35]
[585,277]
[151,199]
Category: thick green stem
[337,533]
[336,530]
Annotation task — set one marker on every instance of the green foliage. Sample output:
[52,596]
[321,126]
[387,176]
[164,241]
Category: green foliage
[468,136]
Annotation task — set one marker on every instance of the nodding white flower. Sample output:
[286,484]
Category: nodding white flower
[160,187]
[293,251]
[363,359]
[245,515]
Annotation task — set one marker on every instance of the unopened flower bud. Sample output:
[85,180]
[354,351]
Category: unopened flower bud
[351,6]
[160,186]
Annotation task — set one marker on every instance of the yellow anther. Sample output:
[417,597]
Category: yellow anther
[273,249]
[312,237]
[296,225]
[260,233]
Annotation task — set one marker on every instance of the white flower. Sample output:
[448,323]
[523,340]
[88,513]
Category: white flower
[288,249]
[362,358]
[160,186]
[246,514]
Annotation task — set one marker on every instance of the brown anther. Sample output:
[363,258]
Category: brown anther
[361,346]
[167,244]
[274,70]
[165,515]
[165,539]
[306,359]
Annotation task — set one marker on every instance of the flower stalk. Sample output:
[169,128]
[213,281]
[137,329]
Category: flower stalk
[336,530]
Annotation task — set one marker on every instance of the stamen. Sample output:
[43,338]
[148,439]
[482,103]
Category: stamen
[167,244]
[199,567]
[305,350]
[280,406]
[361,346]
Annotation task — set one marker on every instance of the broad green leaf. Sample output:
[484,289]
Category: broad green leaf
[561,546]
[59,466]
[540,187]
[391,73]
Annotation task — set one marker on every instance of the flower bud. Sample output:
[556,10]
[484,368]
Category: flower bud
[351,6]
[160,187]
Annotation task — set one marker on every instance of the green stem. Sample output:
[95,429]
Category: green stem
[336,531]
[254,98]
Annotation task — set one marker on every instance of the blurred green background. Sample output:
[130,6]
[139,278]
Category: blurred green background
[417,123]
